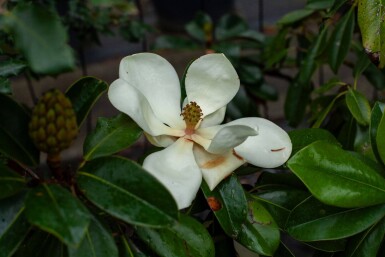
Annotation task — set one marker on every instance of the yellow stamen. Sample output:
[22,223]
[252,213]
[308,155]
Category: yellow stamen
[192,114]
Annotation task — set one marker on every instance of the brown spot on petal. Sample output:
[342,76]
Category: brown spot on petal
[213,163]
[214,203]
[236,155]
[278,150]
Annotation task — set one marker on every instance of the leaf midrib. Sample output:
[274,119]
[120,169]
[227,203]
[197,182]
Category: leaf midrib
[149,205]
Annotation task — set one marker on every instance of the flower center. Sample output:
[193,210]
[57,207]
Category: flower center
[192,115]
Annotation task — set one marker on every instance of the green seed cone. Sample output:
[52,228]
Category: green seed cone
[53,124]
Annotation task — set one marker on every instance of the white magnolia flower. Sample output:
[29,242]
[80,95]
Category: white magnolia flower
[148,91]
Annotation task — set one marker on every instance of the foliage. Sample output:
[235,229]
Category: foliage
[329,198]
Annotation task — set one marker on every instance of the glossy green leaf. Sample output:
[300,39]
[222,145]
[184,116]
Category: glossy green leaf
[294,109]
[13,224]
[127,248]
[259,233]
[325,111]
[380,138]
[328,245]
[359,106]
[275,49]
[229,26]
[340,40]
[366,243]
[268,179]
[125,190]
[304,137]
[280,201]
[332,83]
[97,242]
[41,244]
[372,28]
[187,237]
[375,119]
[295,16]
[313,221]
[229,204]
[337,177]
[83,94]
[362,144]
[195,28]
[300,88]
[11,68]
[14,140]
[111,135]
[55,210]
[10,182]
[42,38]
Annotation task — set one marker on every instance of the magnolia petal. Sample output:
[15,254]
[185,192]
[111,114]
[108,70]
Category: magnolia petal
[216,167]
[211,81]
[214,118]
[158,81]
[176,168]
[160,141]
[228,137]
[269,149]
[129,100]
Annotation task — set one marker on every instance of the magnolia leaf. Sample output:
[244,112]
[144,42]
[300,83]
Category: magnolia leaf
[314,221]
[13,224]
[380,138]
[359,106]
[55,210]
[42,38]
[298,93]
[259,233]
[304,137]
[41,244]
[97,242]
[229,204]
[123,189]
[372,27]
[295,16]
[83,94]
[111,136]
[340,40]
[280,201]
[187,237]
[375,120]
[14,140]
[368,242]
[337,177]
[10,182]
